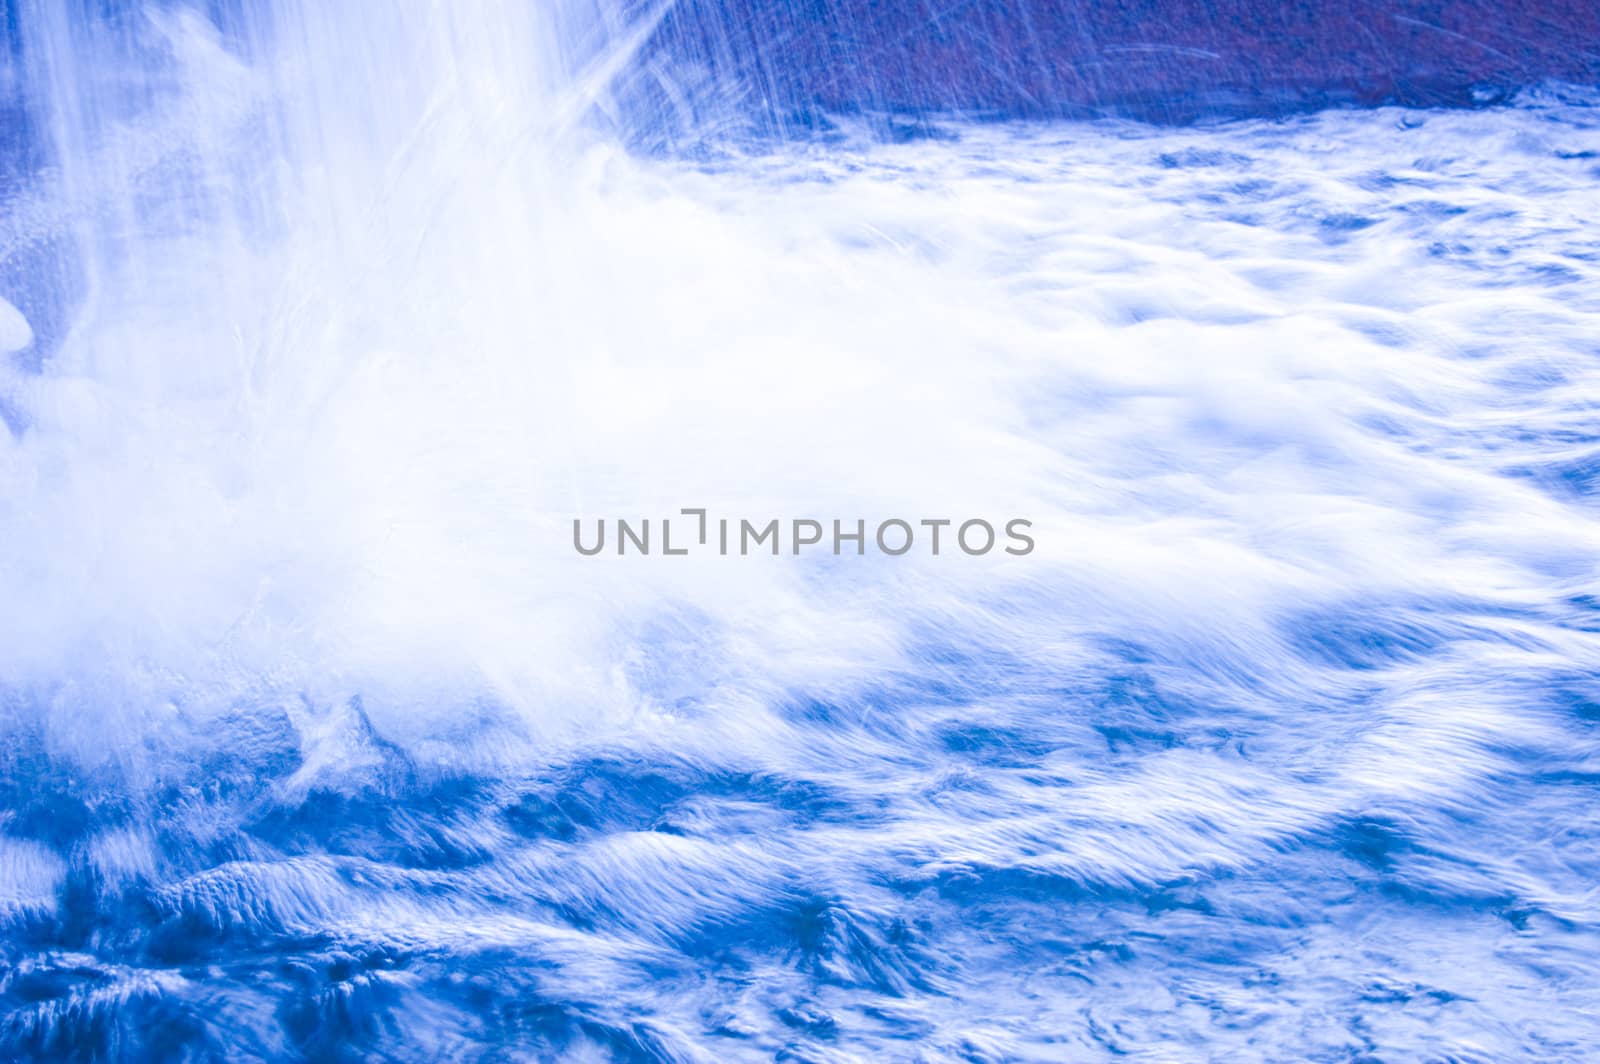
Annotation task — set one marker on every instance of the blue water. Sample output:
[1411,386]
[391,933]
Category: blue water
[320,742]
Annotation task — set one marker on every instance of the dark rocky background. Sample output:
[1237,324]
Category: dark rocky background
[1163,60]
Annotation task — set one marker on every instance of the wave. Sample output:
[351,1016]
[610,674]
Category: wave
[320,741]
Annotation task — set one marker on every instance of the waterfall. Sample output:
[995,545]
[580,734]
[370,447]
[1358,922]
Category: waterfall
[1247,709]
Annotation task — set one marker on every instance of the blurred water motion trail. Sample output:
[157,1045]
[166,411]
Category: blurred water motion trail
[320,742]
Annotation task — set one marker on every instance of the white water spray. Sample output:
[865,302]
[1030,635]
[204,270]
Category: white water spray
[303,679]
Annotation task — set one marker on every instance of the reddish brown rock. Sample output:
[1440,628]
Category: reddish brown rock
[1161,59]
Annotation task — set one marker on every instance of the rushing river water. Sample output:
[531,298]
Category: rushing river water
[321,742]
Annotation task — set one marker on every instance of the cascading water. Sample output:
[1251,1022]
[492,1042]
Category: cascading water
[321,741]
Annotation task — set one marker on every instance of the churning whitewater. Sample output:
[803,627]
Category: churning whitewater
[321,742]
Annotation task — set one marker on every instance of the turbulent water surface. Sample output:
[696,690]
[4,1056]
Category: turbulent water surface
[320,741]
